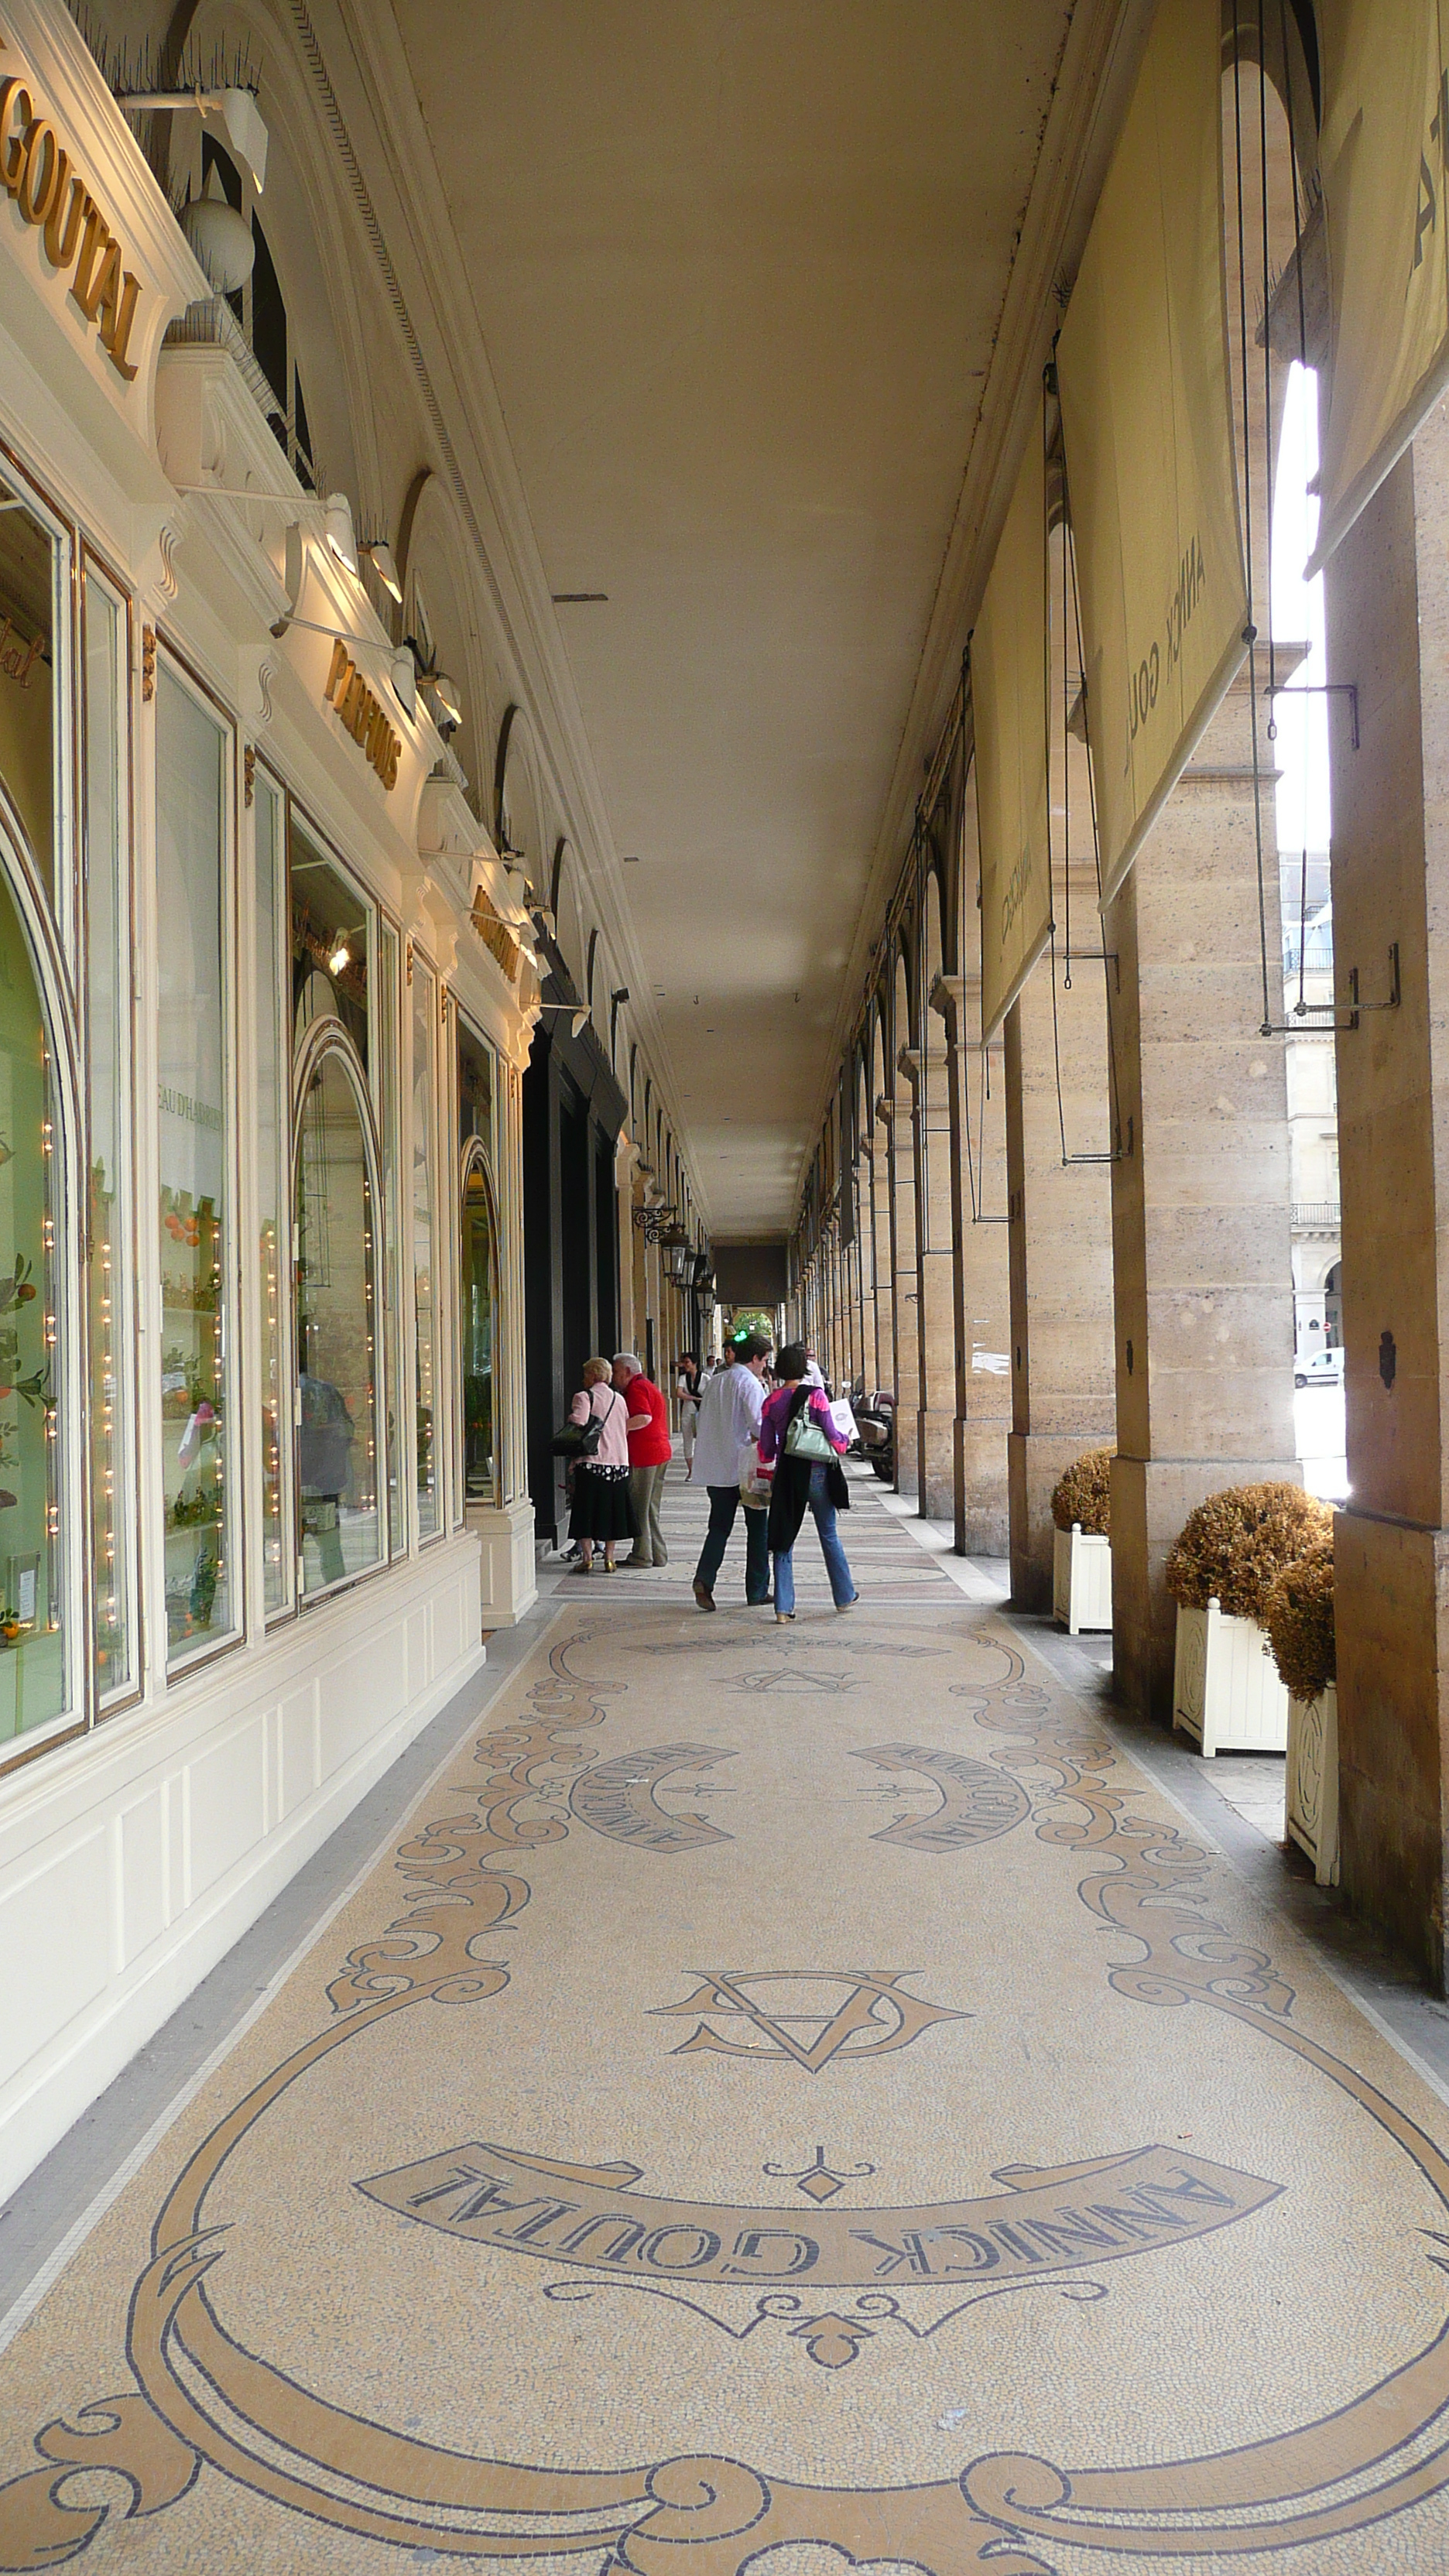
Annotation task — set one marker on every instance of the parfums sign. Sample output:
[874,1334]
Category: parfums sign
[72,231]
[362,714]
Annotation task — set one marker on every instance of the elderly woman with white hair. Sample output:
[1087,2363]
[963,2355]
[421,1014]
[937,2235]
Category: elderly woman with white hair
[600,1514]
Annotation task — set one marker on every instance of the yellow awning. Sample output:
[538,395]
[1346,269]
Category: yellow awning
[1147,429]
[1008,698]
[1384,156]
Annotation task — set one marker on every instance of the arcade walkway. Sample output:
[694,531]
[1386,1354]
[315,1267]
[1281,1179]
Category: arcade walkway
[786,2098]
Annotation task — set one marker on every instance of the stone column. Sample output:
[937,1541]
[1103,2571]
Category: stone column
[882,1258]
[895,1115]
[1200,1227]
[1388,635]
[1060,1246]
[938,1274]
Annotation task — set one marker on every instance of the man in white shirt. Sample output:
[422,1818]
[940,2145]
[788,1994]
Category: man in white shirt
[729,1416]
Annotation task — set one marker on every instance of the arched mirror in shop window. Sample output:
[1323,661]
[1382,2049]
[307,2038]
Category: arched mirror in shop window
[478,1308]
[337,1202]
[36,1535]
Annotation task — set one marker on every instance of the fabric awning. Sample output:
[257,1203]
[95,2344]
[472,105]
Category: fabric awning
[1008,698]
[1384,156]
[1147,428]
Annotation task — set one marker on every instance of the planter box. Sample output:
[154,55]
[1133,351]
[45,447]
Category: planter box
[1081,1580]
[1225,1686]
[1313,1781]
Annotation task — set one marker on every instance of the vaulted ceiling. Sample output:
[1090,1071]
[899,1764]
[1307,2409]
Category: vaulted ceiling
[739,267]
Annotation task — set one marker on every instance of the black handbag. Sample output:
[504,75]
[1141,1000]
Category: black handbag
[579,1440]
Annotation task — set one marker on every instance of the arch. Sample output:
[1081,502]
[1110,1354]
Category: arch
[438,618]
[337,1207]
[518,822]
[310,235]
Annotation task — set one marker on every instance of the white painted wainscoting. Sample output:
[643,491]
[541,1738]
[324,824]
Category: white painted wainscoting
[131,1860]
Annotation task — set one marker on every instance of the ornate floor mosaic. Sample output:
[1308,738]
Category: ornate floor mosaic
[794,2098]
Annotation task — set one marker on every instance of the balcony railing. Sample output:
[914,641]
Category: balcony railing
[1316,1216]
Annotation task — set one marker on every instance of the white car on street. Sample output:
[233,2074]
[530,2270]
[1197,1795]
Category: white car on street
[1319,1368]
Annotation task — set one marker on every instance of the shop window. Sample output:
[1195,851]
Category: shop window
[274,1061]
[387,1096]
[336,1286]
[35,1681]
[475,1090]
[332,934]
[425,1200]
[110,1263]
[192,767]
[34,578]
[479,1323]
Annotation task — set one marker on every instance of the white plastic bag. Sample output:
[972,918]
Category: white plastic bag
[844,1419]
[754,1480]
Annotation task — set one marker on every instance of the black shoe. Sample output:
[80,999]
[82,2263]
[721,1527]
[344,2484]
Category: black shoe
[703,1597]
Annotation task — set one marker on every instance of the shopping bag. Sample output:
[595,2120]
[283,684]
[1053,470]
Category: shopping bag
[844,1420]
[754,1479]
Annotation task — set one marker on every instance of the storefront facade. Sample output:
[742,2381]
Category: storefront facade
[263,1475]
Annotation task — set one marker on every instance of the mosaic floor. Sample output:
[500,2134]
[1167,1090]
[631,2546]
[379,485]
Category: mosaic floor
[793,2098]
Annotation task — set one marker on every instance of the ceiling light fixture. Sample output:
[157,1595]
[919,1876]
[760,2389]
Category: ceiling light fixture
[380,555]
[341,956]
[446,696]
[337,529]
[237,108]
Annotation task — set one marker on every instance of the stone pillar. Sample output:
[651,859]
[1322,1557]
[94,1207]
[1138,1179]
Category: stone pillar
[937,1277]
[1060,1247]
[883,1274]
[1200,1229]
[895,1115]
[1388,634]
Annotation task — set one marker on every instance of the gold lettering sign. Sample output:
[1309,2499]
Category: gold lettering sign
[54,200]
[362,714]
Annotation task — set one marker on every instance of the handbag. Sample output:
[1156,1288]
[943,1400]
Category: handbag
[804,1437]
[579,1440]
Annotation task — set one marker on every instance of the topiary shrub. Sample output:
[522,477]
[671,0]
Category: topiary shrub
[1084,1495]
[1236,1544]
[1298,1616]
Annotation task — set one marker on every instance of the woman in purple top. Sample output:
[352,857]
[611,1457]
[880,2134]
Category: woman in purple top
[797,1432]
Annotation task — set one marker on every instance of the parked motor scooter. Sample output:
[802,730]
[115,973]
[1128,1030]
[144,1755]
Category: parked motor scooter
[876,1422]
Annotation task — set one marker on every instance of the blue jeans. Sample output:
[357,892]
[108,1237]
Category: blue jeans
[724,1502]
[842,1588]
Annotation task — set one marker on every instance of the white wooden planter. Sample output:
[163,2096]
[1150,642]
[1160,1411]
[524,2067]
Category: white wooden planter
[1081,1580]
[1225,1686]
[1313,1781]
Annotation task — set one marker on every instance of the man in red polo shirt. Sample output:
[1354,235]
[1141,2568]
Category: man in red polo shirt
[649,1454]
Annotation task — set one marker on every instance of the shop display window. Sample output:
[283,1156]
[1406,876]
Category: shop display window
[109,1248]
[336,1289]
[35,1681]
[478,1313]
[386,1092]
[192,769]
[475,1091]
[34,588]
[332,935]
[273,1131]
[425,1203]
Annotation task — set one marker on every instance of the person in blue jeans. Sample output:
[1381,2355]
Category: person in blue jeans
[799,1436]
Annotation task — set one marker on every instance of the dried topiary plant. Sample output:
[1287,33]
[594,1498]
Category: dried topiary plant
[1084,1495]
[1298,1616]
[1236,1544]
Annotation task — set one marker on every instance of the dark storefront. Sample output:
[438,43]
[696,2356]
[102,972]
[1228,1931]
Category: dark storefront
[573,1110]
